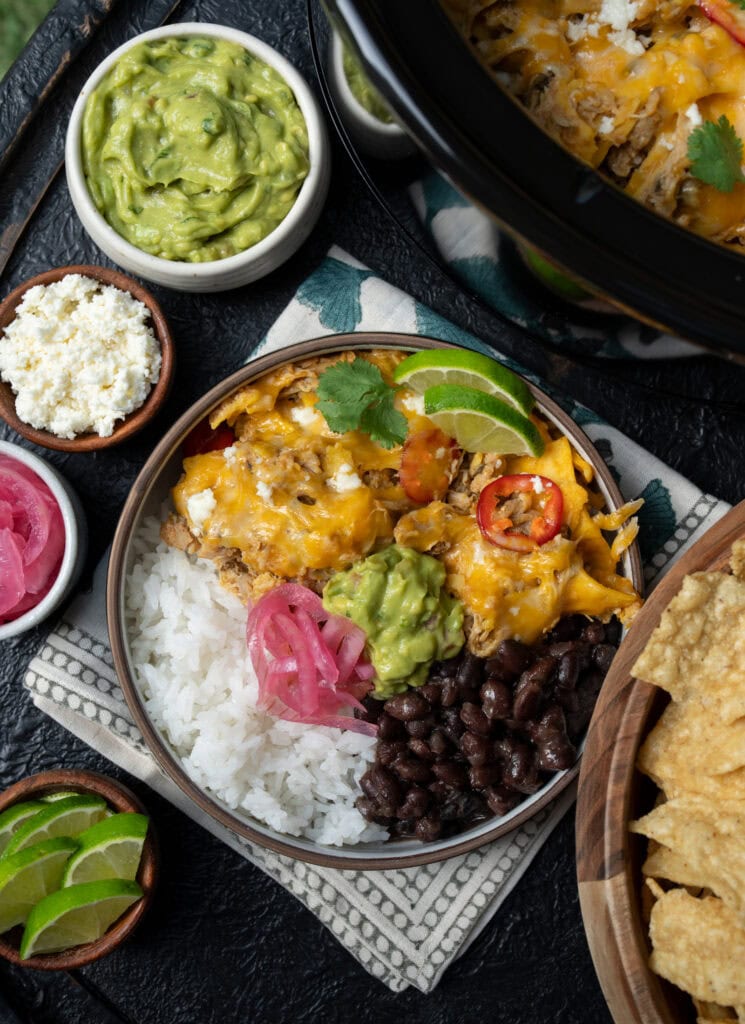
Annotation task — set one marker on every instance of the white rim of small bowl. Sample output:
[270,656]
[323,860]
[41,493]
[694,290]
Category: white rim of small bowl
[362,856]
[58,486]
[368,121]
[318,156]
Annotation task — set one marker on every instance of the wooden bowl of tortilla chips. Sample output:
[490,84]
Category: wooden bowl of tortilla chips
[661,805]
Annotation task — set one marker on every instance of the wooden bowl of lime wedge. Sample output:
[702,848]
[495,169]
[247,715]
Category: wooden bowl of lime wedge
[78,867]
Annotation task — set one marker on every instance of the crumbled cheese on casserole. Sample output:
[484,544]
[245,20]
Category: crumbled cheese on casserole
[200,506]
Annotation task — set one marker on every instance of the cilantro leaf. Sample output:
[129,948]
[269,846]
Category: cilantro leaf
[739,3]
[715,152]
[354,396]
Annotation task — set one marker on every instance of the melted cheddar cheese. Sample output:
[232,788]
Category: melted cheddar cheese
[622,84]
[518,595]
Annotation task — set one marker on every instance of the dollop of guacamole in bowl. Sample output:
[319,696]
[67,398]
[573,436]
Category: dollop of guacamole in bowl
[193,149]
[397,597]
[362,90]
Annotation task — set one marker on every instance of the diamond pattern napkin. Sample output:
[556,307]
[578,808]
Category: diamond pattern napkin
[404,927]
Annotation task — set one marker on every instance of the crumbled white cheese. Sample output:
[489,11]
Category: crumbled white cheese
[79,356]
[616,15]
[667,144]
[264,491]
[514,611]
[537,485]
[303,414]
[625,39]
[344,479]
[230,454]
[694,115]
[199,506]
[606,126]
[414,403]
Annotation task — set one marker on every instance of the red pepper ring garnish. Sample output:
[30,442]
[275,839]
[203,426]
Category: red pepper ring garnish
[497,524]
[202,439]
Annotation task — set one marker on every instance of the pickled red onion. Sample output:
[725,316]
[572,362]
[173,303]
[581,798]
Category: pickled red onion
[32,539]
[310,664]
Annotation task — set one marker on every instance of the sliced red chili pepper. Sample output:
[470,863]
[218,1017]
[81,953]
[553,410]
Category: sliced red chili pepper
[428,464]
[203,439]
[497,524]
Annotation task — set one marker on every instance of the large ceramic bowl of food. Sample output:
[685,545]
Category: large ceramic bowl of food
[607,135]
[661,805]
[197,157]
[350,625]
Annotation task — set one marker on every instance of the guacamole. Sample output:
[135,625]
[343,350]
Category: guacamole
[396,596]
[193,149]
[362,91]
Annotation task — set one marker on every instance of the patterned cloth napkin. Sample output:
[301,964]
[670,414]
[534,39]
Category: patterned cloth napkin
[489,263]
[405,927]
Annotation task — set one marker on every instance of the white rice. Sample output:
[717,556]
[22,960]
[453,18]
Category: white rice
[188,645]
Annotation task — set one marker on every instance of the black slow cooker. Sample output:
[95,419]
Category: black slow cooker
[496,155]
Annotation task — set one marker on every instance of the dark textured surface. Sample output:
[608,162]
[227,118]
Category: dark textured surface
[224,943]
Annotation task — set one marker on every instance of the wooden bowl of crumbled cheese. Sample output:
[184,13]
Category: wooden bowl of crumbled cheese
[86,358]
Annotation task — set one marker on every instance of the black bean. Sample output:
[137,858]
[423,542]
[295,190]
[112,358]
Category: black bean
[416,803]
[560,648]
[474,719]
[373,709]
[450,694]
[439,743]
[407,707]
[603,655]
[555,752]
[528,699]
[439,791]
[381,787]
[540,672]
[470,671]
[510,659]
[451,774]
[520,771]
[388,750]
[452,725]
[421,749]
[410,769]
[481,776]
[613,632]
[421,728]
[588,688]
[593,633]
[500,800]
[476,749]
[497,698]
[567,670]
[390,728]
[431,692]
[428,828]
[568,628]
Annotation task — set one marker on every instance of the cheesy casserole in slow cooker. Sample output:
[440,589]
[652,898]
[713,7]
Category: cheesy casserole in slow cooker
[651,93]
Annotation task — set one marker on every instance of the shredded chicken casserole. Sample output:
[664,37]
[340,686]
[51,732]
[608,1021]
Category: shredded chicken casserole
[623,84]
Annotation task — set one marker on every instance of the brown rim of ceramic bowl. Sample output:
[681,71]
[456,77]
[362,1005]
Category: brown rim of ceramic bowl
[116,576]
[121,799]
[137,419]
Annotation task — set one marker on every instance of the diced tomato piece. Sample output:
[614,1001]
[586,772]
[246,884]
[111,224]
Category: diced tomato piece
[540,516]
[204,439]
[428,464]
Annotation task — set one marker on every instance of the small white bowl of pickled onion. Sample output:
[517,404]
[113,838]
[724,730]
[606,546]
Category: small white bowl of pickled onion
[41,562]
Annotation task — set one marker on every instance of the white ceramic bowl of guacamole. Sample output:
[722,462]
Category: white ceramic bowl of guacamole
[384,139]
[197,157]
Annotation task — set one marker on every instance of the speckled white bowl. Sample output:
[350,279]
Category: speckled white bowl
[386,141]
[246,266]
[76,540]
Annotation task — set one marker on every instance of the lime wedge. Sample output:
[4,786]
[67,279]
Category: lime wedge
[60,794]
[28,876]
[109,849]
[463,368]
[481,423]
[14,817]
[78,914]
[68,817]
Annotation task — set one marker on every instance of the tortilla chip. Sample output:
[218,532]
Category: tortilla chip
[670,755]
[699,945]
[737,559]
[710,1013]
[697,652]
[711,746]
[708,844]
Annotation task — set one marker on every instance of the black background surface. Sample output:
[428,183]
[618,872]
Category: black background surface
[224,943]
